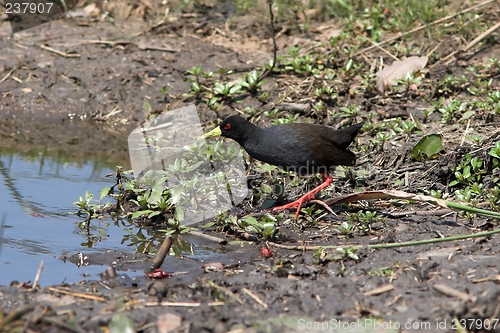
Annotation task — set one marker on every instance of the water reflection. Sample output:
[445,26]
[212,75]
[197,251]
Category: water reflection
[36,179]
[37,190]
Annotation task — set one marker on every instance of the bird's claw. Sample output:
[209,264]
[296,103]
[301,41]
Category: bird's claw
[297,203]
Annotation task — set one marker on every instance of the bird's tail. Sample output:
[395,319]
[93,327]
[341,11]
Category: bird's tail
[345,136]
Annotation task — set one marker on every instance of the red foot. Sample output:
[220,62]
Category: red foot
[327,180]
[158,274]
[267,252]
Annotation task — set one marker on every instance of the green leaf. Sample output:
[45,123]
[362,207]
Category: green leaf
[154,214]
[467,115]
[208,225]
[250,220]
[195,86]
[104,192]
[88,196]
[428,147]
[147,106]
[139,213]
[195,166]
[121,323]
[156,194]
[179,213]
[266,188]
[102,232]
[176,194]
[495,152]
[235,89]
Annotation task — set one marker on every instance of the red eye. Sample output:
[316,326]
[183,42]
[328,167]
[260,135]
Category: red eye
[227,127]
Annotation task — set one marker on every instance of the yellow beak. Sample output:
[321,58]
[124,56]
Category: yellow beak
[213,133]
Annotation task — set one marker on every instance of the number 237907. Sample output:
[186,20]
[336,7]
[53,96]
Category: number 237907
[28,7]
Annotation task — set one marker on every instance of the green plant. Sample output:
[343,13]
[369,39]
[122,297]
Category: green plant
[452,110]
[346,112]
[252,82]
[346,252]
[383,271]
[410,80]
[475,139]
[495,153]
[326,93]
[264,227]
[346,228]
[438,194]
[469,170]
[364,219]
[406,127]
[350,69]
[381,138]
[451,85]
[289,118]
[281,117]
[304,65]
[226,90]
[88,209]
[311,214]
[216,93]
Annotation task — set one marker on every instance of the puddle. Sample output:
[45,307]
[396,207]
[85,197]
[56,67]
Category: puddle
[37,192]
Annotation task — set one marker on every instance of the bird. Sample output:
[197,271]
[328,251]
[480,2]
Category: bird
[299,147]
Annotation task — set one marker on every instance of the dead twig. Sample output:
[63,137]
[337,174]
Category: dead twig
[437,212]
[8,74]
[383,50]
[449,291]
[209,237]
[86,296]
[157,48]
[162,253]
[481,37]
[184,304]
[37,276]
[106,42]
[225,291]
[495,278]
[275,47]
[465,133]
[379,290]
[255,297]
[61,53]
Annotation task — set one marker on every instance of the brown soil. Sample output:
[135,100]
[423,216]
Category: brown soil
[87,99]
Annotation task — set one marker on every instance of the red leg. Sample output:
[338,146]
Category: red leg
[327,180]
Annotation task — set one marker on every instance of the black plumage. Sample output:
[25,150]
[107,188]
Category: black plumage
[299,147]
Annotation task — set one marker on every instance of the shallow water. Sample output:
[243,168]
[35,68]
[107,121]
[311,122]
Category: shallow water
[37,191]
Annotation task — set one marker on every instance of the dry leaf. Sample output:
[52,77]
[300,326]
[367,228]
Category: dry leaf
[398,70]
[309,14]
[168,322]
[92,10]
[327,34]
